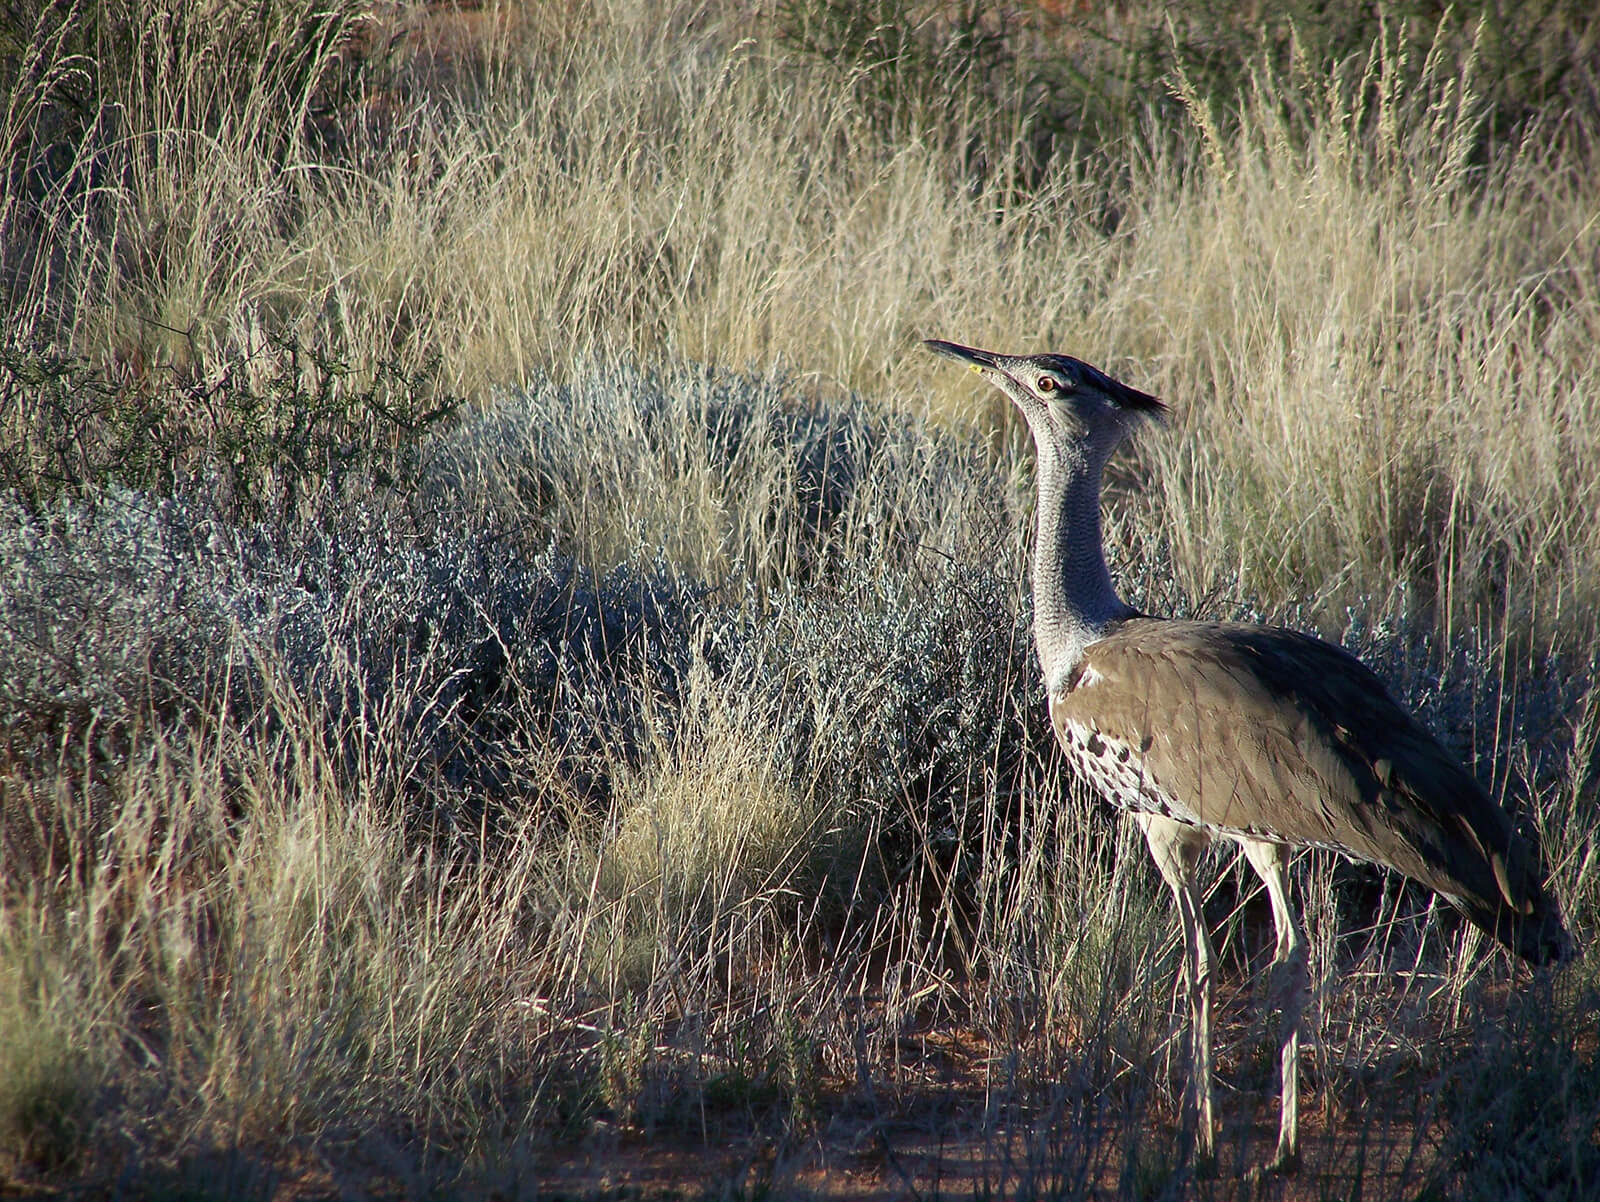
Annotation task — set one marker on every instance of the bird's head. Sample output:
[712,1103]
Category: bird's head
[1068,404]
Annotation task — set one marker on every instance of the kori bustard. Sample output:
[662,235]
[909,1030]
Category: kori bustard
[1264,736]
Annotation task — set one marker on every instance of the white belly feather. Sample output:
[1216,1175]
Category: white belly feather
[1119,773]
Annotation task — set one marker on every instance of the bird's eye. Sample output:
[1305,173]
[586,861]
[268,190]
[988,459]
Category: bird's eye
[1047,384]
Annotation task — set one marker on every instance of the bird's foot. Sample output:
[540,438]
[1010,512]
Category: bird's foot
[1284,1164]
[1198,1138]
[1202,1148]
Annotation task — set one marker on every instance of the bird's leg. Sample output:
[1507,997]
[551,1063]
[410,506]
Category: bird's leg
[1176,849]
[1271,862]
[1200,965]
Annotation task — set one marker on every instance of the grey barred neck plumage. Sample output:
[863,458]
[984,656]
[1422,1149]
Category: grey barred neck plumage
[1267,737]
[1078,416]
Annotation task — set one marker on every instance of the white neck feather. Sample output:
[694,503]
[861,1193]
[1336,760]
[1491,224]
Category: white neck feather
[1073,597]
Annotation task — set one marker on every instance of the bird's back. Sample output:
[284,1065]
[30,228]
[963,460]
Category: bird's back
[1267,732]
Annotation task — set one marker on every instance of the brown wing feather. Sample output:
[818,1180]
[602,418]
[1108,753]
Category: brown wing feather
[1273,733]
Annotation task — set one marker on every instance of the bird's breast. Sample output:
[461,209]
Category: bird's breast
[1116,768]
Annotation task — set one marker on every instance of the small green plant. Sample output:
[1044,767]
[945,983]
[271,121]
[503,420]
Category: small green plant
[264,430]
[799,1059]
[1526,62]
[626,1052]
[901,55]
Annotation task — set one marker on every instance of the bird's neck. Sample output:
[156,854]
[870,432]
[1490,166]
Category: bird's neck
[1073,597]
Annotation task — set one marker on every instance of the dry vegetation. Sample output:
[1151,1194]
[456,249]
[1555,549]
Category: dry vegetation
[511,653]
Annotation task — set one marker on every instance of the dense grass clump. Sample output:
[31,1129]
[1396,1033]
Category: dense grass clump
[471,704]
[509,650]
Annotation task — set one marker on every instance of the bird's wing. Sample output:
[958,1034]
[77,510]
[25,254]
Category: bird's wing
[1272,733]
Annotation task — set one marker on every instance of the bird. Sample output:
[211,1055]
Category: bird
[1258,735]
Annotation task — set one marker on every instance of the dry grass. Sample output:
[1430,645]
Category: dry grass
[656,750]
[1377,344]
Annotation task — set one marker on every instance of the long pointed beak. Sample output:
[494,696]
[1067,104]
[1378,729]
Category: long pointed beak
[971,356]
